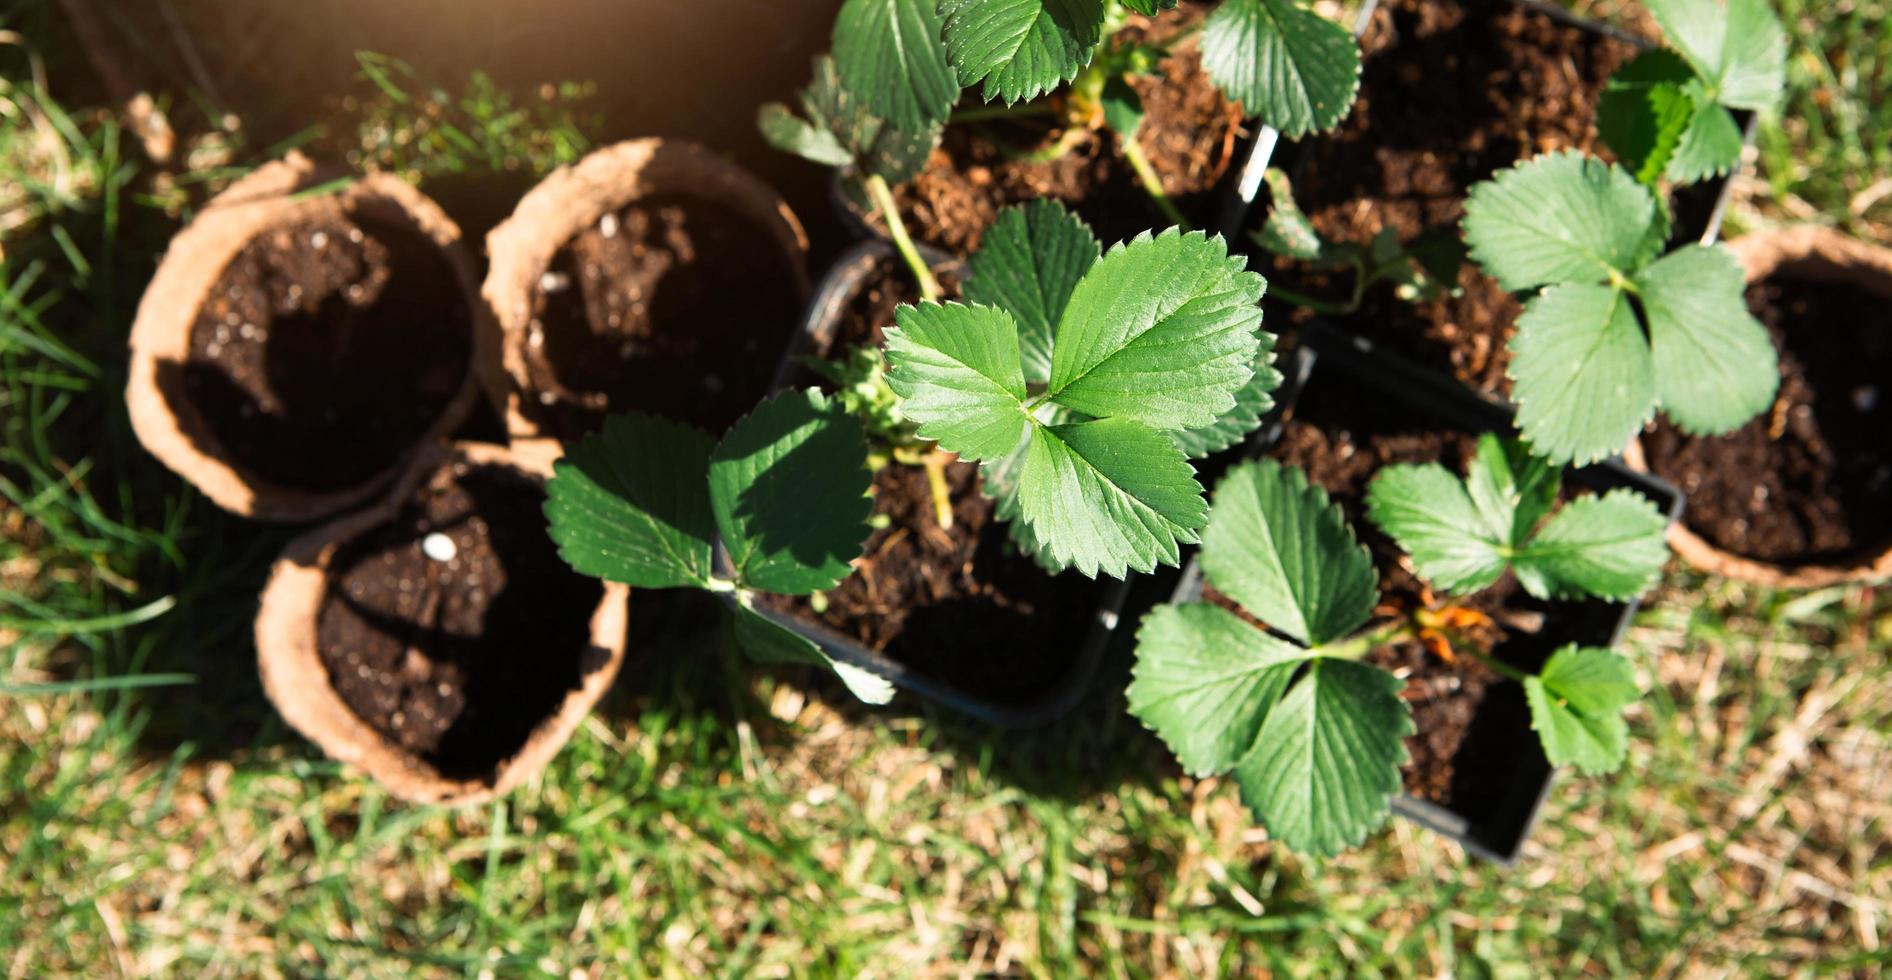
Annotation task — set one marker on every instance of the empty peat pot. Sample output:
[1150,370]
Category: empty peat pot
[652,275]
[436,640]
[1798,497]
[302,337]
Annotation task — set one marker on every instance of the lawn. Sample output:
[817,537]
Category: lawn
[157,818]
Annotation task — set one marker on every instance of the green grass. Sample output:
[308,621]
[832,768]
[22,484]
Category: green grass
[152,826]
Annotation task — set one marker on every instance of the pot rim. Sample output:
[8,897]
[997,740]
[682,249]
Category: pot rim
[1832,256]
[298,684]
[195,260]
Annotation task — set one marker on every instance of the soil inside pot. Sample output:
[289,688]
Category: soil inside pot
[961,605]
[1473,726]
[1809,481]
[457,659]
[1452,91]
[1190,133]
[326,350]
[674,305]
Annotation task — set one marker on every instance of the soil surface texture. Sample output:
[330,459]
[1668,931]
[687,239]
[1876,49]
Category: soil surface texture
[1809,481]
[455,629]
[326,350]
[674,305]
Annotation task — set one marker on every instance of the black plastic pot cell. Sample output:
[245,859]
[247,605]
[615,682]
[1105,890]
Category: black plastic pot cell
[1504,801]
[1088,635]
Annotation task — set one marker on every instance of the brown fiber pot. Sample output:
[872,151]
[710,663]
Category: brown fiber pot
[573,198]
[167,423]
[298,683]
[1820,254]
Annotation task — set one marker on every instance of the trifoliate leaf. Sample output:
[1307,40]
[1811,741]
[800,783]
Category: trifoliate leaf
[892,54]
[1021,49]
[1611,547]
[1277,547]
[1513,488]
[1204,681]
[1577,708]
[631,503]
[1162,330]
[1123,108]
[1644,110]
[1027,264]
[1581,373]
[1558,218]
[765,642]
[1428,511]
[1109,495]
[788,487]
[1715,367]
[789,133]
[1252,402]
[956,370]
[1149,6]
[1711,146]
[1291,67]
[1326,763]
[1737,47]
[840,132]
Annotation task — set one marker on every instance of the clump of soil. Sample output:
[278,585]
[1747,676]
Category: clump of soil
[962,604]
[1451,93]
[1343,434]
[1807,482]
[674,305]
[326,350]
[455,629]
[1190,133]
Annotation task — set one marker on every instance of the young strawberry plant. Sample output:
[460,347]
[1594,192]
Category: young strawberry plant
[1083,381]
[1667,113]
[839,131]
[1424,270]
[1279,694]
[909,59]
[1614,328]
[646,501]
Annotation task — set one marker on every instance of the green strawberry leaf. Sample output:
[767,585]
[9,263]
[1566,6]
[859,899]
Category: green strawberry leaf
[1611,547]
[1123,108]
[1558,218]
[1162,330]
[1429,513]
[1512,488]
[765,642]
[789,133]
[1277,547]
[1254,401]
[1204,681]
[956,369]
[1288,232]
[1577,707]
[1326,764]
[1028,263]
[1581,373]
[1710,146]
[1149,6]
[1645,110]
[1021,49]
[1738,47]
[1109,495]
[840,132]
[630,504]
[1292,67]
[893,55]
[1715,367]
[788,487]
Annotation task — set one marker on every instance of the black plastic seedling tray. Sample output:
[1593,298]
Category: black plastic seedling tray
[1324,352]
[1090,637]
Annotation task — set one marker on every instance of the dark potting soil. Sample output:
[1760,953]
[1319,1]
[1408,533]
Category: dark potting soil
[674,305]
[326,350]
[1472,726]
[457,661]
[1190,133]
[1452,92]
[1809,481]
[962,604]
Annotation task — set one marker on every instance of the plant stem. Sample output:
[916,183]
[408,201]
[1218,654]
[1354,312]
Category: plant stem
[1068,141]
[935,464]
[1310,303]
[889,212]
[1361,644]
[1498,666]
[986,113]
[1146,175]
